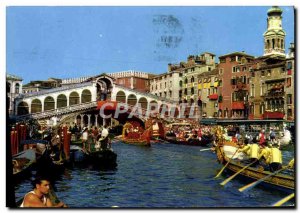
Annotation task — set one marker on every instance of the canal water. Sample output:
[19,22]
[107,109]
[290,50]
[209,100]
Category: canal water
[162,176]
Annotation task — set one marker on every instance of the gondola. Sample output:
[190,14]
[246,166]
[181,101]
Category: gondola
[281,182]
[100,159]
[22,162]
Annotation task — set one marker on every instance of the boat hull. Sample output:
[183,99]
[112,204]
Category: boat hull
[279,181]
[104,159]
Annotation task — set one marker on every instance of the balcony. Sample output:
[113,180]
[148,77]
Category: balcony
[213,97]
[238,105]
[273,115]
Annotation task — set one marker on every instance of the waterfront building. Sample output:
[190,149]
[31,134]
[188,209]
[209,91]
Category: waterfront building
[272,80]
[14,88]
[168,85]
[194,66]
[36,86]
[234,89]
[208,93]
[133,79]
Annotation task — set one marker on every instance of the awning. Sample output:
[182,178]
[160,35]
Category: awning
[273,115]
[213,96]
[238,105]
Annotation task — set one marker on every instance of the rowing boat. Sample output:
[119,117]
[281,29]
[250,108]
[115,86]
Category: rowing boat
[279,181]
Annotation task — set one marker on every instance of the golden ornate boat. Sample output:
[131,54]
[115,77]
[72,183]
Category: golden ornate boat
[136,135]
[279,181]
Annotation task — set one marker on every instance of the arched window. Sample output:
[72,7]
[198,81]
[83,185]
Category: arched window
[17,88]
[273,43]
[185,81]
[192,79]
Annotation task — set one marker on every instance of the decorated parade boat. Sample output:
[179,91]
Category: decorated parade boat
[134,133]
[279,181]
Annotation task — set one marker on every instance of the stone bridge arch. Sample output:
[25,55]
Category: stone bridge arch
[22,108]
[36,105]
[49,103]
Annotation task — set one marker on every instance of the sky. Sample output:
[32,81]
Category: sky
[74,41]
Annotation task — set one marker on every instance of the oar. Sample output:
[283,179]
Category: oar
[201,150]
[233,176]
[284,200]
[253,184]
[226,164]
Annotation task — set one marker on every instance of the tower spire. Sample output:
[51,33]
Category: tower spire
[274,37]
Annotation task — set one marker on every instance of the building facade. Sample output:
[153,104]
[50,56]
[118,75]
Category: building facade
[14,88]
[167,85]
[234,89]
[132,79]
[194,66]
[36,86]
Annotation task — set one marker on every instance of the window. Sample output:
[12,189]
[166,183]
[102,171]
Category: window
[165,84]
[289,99]
[269,73]
[192,91]
[222,60]
[185,91]
[262,89]
[185,81]
[244,69]
[282,70]
[220,83]
[288,82]
[262,73]
[17,88]
[232,58]
[192,79]
[233,81]
[209,69]
[221,71]
[180,83]
[289,65]
[193,69]
[252,90]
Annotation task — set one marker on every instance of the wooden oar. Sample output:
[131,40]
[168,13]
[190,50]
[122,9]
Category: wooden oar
[255,183]
[284,200]
[220,172]
[233,176]
[201,150]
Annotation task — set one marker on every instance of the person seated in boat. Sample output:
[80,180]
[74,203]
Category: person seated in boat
[40,195]
[275,158]
[263,157]
[252,150]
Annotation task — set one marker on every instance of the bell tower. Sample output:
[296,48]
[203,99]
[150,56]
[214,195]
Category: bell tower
[274,37]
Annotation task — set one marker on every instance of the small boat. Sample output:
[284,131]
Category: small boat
[279,181]
[134,134]
[22,162]
[102,158]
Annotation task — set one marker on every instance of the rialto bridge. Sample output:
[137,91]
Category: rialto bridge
[78,102]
